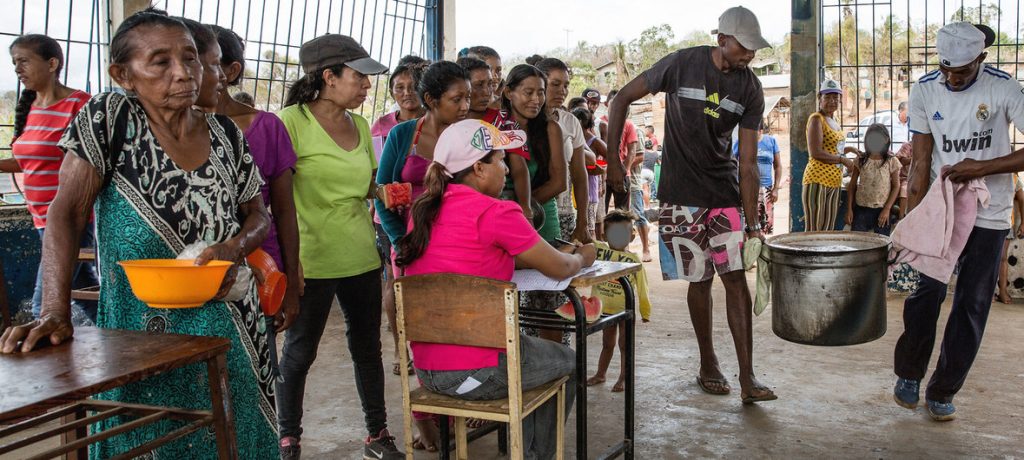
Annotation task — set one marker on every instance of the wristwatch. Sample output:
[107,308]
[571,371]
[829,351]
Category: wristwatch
[753,228]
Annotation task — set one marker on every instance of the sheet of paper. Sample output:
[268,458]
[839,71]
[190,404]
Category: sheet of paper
[533,280]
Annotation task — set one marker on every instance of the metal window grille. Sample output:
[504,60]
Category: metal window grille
[877,49]
[275,29]
[272,29]
[84,41]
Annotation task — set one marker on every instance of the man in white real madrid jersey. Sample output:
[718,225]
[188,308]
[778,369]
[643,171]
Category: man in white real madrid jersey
[960,116]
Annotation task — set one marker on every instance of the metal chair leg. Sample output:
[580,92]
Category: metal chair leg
[445,453]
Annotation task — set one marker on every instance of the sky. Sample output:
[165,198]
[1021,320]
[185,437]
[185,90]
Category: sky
[517,28]
[600,21]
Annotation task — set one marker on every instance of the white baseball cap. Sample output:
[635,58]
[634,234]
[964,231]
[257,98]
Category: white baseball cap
[959,44]
[742,24]
[466,142]
[830,86]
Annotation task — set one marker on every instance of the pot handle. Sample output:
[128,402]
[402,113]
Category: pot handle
[894,255]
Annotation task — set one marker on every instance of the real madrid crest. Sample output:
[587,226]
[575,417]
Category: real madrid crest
[982,112]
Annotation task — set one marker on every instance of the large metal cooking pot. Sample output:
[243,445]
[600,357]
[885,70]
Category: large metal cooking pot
[828,288]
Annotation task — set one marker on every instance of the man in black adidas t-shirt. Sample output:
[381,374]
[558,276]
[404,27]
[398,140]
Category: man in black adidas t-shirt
[709,91]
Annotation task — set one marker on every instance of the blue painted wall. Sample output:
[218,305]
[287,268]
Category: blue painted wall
[20,251]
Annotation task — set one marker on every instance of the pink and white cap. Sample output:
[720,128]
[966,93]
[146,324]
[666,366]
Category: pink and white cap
[466,142]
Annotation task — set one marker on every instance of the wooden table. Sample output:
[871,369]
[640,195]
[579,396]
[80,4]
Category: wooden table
[542,319]
[97,360]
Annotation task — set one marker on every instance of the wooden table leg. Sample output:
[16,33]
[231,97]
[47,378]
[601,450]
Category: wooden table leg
[223,413]
[71,436]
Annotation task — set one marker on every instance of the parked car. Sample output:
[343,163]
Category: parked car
[890,118]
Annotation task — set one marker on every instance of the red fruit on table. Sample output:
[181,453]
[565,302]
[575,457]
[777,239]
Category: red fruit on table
[591,306]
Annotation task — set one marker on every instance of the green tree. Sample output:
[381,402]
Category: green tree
[622,73]
[987,13]
[277,72]
[696,38]
[654,43]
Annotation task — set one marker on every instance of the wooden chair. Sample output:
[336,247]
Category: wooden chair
[472,311]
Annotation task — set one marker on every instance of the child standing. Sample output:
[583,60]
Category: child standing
[620,231]
[874,184]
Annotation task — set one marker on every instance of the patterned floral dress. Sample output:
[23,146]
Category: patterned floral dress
[150,208]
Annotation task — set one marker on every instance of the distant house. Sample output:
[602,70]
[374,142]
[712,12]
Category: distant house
[604,75]
[766,67]
[776,99]
[775,85]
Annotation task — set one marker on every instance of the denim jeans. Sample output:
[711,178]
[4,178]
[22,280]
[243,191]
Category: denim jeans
[360,299]
[84,276]
[979,264]
[636,200]
[866,220]
[541,361]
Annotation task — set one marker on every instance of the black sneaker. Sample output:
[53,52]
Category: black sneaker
[289,448]
[381,447]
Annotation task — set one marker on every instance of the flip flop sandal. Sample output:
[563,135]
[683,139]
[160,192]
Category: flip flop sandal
[705,386]
[396,369]
[770,396]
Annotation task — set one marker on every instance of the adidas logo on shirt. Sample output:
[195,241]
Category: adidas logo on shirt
[937,117]
[713,98]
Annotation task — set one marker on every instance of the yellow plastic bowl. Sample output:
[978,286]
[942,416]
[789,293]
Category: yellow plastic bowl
[173,283]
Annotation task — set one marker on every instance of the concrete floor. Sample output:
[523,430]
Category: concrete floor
[833,402]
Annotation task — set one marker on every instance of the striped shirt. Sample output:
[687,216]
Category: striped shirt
[38,155]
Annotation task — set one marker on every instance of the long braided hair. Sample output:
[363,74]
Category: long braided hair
[46,48]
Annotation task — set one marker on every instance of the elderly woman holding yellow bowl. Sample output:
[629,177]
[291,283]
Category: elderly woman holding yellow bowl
[162,176]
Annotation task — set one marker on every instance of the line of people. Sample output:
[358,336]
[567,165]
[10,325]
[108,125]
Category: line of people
[498,173]
[174,160]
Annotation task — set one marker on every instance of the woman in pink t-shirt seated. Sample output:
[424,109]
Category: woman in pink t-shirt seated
[460,226]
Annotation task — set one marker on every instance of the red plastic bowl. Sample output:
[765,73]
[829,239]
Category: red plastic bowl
[274,282]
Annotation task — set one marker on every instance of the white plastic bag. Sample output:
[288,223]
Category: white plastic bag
[243,277]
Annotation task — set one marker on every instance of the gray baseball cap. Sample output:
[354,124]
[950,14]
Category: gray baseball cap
[333,49]
[742,24]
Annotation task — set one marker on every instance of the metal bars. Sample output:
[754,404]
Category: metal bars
[878,49]
[83,30]
[275,29]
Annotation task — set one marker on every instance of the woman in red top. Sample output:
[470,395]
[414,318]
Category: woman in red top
[481,91]
[44,110]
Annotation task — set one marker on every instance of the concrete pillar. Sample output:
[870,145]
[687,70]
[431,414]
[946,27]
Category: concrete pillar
[120,9]
[804,49]
[449,45]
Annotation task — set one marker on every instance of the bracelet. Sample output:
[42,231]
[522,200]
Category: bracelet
[753,228]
